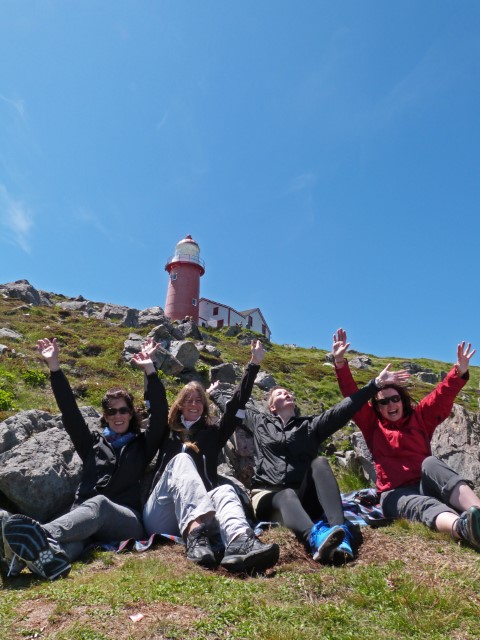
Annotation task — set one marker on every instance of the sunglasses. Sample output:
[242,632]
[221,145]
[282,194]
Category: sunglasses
[385,401]
[113,412]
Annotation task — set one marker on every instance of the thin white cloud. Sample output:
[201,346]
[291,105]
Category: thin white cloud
[302,182]
[17,104]
[16,219]
[159,125]
[87,217]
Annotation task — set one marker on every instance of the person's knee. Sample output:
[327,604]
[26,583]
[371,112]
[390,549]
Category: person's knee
[97,505]
[223,492]
[181,461]
[288,495]
[321,465]
[429,464]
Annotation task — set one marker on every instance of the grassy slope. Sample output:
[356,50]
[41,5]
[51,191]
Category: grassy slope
[407,581]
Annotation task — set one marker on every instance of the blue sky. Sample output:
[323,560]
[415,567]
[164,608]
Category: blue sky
[324,155]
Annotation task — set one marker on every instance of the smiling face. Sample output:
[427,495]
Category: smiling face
[118,415]
[281,400]
[192,406]
[389,404]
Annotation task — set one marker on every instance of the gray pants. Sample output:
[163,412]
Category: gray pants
[424,501]
[96,519]
[180,497]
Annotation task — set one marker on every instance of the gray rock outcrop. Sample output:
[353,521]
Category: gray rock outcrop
[10,333]
[265,381]
[124,316]
[23,290]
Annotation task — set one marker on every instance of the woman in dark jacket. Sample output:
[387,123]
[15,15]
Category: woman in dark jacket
[107,504]
[186,497]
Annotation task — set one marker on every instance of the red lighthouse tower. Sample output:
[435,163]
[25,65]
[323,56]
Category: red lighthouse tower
[185,269]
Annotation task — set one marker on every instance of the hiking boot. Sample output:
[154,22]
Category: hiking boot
[324,540]
[199,549]
[468,527]
[344,551]
[246,553]
[13,564]
[29,541]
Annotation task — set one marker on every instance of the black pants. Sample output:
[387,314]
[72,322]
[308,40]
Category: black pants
[300,509]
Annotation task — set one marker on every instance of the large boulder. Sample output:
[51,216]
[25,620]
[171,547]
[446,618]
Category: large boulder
[84,306]
[265,381]
[188,329]
[124,316]
[185,352]
[23,290]
[223,373]
[152,315]
[39,469]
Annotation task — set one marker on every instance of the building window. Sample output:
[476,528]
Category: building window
[250,321]
[173,276]
[194,302]
[215,311]
[219,324]
[264,330]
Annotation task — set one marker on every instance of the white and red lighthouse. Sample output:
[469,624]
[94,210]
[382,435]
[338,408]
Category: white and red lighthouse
[185,269]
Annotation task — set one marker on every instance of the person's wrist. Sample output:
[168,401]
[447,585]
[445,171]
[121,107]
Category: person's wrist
[339,362]
[379,382]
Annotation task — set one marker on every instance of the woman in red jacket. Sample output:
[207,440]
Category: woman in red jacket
[414,484]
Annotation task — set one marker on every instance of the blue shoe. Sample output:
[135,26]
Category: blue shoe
[344,551]
[324,540]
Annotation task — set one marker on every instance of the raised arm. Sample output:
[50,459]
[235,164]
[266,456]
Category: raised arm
[235,407]
[436,407]
[157,397]
[72,419]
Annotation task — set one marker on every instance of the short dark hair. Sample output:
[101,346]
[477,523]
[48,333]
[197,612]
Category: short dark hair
[407,400]
[268,398]
[116,393]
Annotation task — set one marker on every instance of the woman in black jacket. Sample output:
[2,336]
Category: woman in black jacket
[186,497]
[107,504]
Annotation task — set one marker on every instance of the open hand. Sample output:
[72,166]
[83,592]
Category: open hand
[386,377]
[340,345]
[464,355]
[49,352]
[258,352]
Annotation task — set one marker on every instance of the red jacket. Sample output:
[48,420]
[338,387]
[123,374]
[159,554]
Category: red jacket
[399,448]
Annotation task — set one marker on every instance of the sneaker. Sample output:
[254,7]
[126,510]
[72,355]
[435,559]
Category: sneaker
[468,527]
[324,540]
[29,541]
[247,553]
[7,558]
[199,549]
[344,551]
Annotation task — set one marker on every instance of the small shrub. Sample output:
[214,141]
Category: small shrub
[34,378]
[6,400]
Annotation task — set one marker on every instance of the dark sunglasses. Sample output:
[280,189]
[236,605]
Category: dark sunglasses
[385,401]
[113,412]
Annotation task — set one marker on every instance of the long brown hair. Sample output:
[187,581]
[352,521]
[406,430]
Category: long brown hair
[174,415]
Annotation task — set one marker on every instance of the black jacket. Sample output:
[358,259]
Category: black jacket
[284,452]
[116,475]
[209,438]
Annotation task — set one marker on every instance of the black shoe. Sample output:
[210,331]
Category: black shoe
[30,542]
[199,549]
[468,527]
[246,552]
